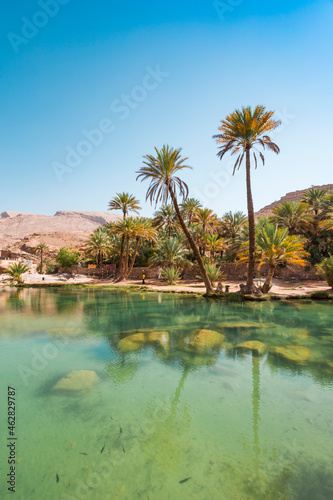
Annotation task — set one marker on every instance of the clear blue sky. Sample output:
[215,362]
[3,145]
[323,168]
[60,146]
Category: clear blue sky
[70,74]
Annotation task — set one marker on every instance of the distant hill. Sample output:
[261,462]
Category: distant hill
[293,196]
[22,231]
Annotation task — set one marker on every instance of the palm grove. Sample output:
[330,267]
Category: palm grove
[183,233]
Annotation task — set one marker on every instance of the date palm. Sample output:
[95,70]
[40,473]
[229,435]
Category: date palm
[293,215]
[15,272]
[98,245]
[189,209]
[170,252]
[232,224]
[166,218]
[41,248]
[213,243]
[143,231]
[126,203]
[275,246]
[124,229]
[162,171]
[316,198]
[242,132]
[206,219]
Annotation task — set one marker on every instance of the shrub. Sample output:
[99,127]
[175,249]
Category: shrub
[170,275]
[15,272]
[326,268]
[67,257]
[214,273]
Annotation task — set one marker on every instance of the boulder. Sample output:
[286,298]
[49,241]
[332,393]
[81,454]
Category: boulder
[203,340]
[77,381]
[136,341]
[252,345]
[296,353]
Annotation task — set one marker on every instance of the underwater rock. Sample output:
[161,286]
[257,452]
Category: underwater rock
[292,353]
[77,381]
[252,345]
[241,324]
[203,340]
[136,341]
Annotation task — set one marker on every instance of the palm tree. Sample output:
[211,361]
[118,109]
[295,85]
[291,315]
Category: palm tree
[241,133]
[206,219]
[125,230]
[293,215]
[275,246]
[98,245]
[189,209]
[316,198]
[126,203]
[15,272]
[213,243]
[162,171]
[170,252]
[166,218]
[41,248]
[143,231]
[232,224]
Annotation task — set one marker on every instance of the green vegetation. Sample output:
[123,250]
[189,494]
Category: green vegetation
[326,268]
[67,257]
[41,248]
[15,272]
[170,275]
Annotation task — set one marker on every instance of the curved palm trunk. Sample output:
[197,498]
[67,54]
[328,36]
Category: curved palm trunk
[194,248]
[137,241]
[250,288]
[268,281]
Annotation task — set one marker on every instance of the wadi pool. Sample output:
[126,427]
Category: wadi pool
[159,409]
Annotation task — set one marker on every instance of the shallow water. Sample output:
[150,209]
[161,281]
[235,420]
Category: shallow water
[239,425]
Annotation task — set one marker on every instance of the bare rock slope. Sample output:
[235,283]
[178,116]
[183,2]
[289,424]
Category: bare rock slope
[292,196]
[22,231]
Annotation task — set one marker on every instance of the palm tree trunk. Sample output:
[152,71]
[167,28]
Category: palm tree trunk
[134,257]
[121,257]
[123,275]
[250,288]
[268,281]
[194,248]
[41,262]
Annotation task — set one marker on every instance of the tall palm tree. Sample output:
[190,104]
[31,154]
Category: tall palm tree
[125,230]
[126,203]
[41,248]
[293,215]
[275,246]
[142,231]
[189,209]
[98,245]
[161,170]
[166,218]
[241,133]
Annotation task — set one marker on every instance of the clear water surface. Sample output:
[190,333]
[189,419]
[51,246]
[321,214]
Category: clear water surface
[160,407]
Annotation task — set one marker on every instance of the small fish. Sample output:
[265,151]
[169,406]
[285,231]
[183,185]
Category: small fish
[111,417]
[123,449]
[102,449]
[57,478]
[184,480]
[120,429]
[82,453]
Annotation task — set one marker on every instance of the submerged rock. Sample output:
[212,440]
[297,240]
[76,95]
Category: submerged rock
[203,340]
[292,353]
[252,345]
[136,341]
[77,381]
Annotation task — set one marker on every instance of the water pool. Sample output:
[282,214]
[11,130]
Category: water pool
[162,396]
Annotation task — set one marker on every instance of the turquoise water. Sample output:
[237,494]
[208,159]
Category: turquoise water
[163,407]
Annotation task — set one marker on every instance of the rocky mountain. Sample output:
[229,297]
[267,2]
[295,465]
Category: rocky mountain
[22,231]
[292,196]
